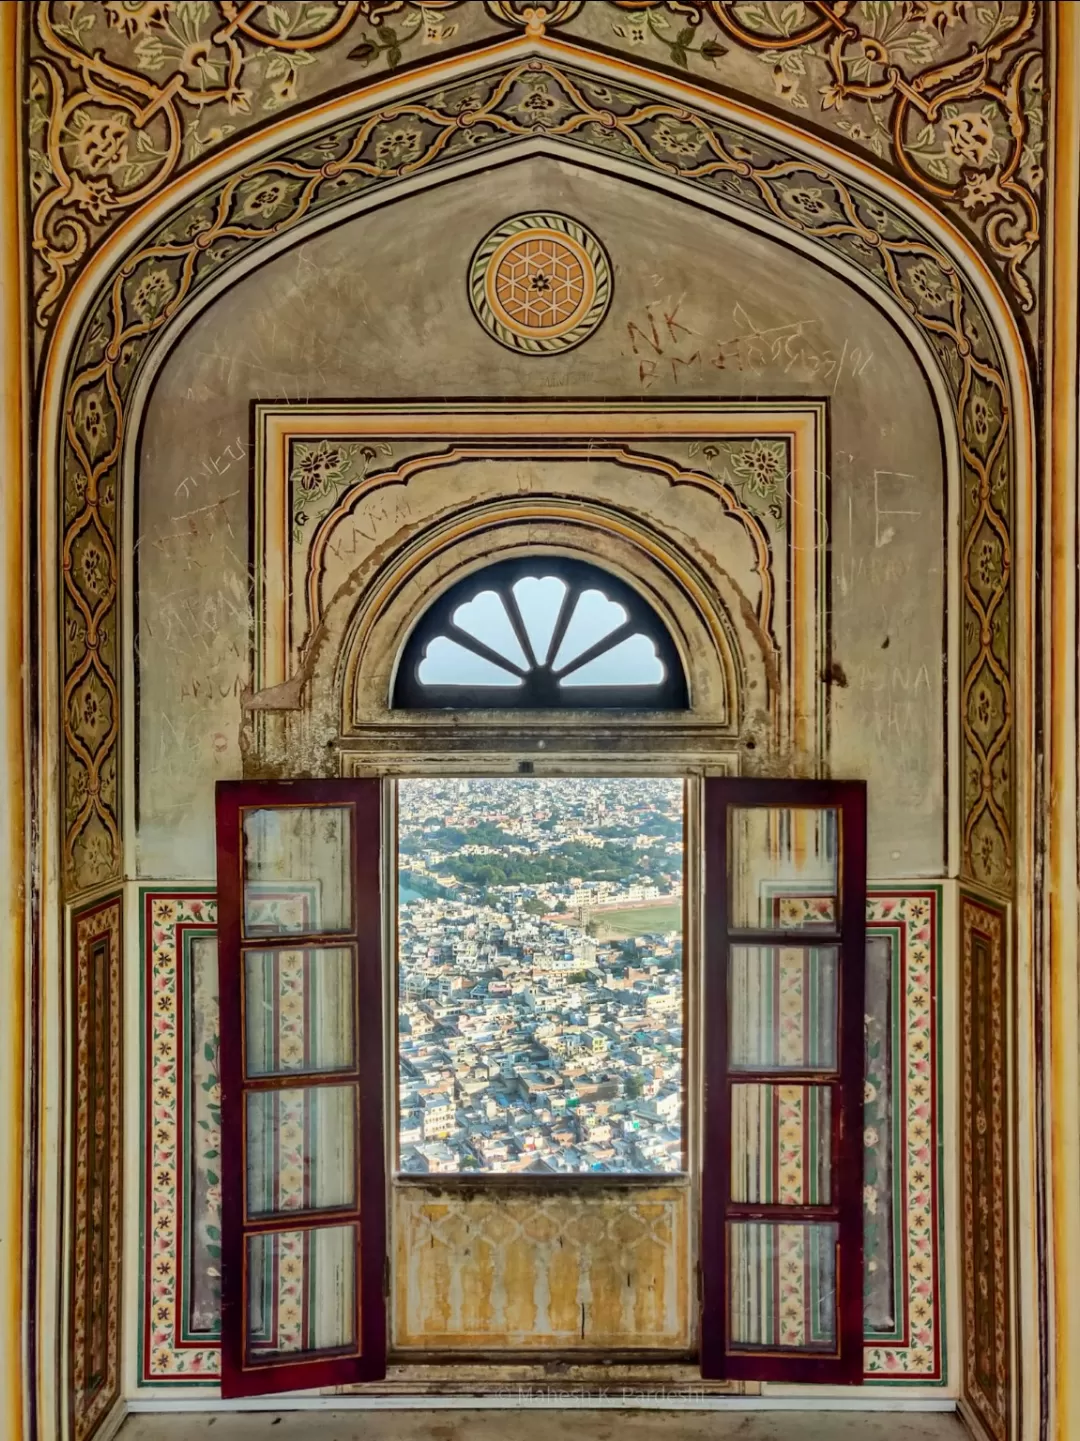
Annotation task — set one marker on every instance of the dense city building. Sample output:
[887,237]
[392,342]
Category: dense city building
[540,975]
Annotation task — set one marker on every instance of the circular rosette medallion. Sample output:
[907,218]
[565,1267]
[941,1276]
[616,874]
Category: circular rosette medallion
[540,283]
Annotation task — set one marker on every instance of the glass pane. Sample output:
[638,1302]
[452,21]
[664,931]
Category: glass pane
[593,618]
[485,618]
[632,662]
[299,1012]
[301,1291]
[301,1149]
[781,1144]
[539,601]
[447,663]
[782,1285]
[297,870]
[783,862]
[882,1142]
[540,981]
[782,1008]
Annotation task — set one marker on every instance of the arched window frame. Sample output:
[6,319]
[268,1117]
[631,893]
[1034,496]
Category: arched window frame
[540,689]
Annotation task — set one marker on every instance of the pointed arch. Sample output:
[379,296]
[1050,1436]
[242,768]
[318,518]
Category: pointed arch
[95,379]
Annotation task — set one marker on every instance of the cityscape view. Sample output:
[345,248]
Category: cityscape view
[540,985]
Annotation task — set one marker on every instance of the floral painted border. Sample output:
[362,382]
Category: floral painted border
[950,94]
[167,1351]
[987,1383]
[98,1164]
[315,175]
[914,916]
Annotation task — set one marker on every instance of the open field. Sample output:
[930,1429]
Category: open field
[620,925]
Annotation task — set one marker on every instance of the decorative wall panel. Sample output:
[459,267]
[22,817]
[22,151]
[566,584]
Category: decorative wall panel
[903,1217]
[665,140]
[984,1203]
[541,1271]
[181,1282]
[904,1284]
[904,1288]
[949,94]
[97,1027]
[124,98]
[328,502]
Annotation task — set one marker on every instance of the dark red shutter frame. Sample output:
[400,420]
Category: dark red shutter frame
[718,1361]
[363,796]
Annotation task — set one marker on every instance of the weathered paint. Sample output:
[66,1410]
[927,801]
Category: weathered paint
[536,1269]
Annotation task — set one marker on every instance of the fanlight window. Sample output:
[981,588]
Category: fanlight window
[541,633]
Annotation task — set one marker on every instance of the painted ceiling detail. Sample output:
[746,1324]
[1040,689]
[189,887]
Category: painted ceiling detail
[125,95]
[540,283]
[669,143]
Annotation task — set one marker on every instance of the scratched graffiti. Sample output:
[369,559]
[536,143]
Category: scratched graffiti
[668,351]
[701,310]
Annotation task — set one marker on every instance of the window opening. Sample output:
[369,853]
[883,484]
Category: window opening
[540,976]
[541,1025]
[541,633]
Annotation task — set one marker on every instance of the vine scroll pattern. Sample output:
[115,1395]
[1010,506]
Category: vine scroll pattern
[125,95]
[323,172]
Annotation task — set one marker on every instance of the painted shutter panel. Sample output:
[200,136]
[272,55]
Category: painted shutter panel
[785,944]
[303,1170]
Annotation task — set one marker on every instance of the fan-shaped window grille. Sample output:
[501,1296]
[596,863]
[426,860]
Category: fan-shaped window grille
[540,634]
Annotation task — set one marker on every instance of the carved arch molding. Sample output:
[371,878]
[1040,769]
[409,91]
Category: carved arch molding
[540,88]
[126,94]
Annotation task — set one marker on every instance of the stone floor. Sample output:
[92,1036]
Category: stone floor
[547,1426]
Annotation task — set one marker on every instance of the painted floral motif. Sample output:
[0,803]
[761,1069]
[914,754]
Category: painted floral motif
[763,471]
[791,1151]
[292,1158]
[289,1310]
[952,93]
[792,1008]
[214,230]
[319,471]
[97,1138]
[794,1283]
[169,1350]
[912,917]
[759,474]
[680,140]
[199,978]
[984,1201]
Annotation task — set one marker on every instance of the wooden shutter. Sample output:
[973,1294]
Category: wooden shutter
[303,1180]
[785,937]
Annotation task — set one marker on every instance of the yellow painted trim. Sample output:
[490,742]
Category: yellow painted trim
[1059,606]
[16,492]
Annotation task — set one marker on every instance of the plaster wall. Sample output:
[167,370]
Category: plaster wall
[377,309]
